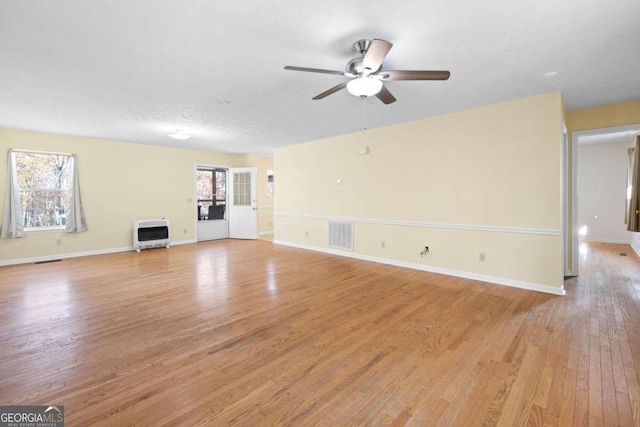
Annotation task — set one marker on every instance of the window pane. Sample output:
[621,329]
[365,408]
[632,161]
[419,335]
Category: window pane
[44,181]
[204,183]
[43,171]
[42,208]
[221,185]
[242,189]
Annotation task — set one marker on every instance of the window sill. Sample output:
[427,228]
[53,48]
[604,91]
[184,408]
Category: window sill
[38,230]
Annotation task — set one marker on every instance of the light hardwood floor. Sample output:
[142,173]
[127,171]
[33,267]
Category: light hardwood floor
[252,334]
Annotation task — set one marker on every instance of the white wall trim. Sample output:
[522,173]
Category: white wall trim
[598,240]
[549,232]
[605,131]
[431,269]
[80,254]
[183,242]
[566,234]
[635,247]
[575,264]
[265,233]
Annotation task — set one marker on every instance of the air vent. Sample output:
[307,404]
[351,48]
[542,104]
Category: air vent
[341,235]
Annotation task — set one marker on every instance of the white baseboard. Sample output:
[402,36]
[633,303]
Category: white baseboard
[265,233]
[183,242]
[635,248]
[431,269]
[598,240]
[80,254]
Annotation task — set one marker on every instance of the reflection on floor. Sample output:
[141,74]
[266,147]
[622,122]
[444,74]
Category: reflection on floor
[241,332]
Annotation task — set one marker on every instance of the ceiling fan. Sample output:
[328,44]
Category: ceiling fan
[366,75]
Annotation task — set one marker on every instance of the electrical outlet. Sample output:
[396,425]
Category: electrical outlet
[382,245]
[482,257]
[59,242]
[306,233]
[185,231]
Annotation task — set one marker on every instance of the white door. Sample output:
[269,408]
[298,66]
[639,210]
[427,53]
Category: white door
[242,203]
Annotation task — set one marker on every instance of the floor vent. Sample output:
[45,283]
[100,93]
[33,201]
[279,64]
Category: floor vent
[341,235]
[623,254]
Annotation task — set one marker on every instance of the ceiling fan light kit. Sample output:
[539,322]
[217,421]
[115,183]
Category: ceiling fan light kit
[364,86]
[365,72]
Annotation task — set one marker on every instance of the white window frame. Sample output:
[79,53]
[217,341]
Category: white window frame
[42,229]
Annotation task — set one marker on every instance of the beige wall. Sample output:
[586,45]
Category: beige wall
[604,116]
[265,202]
[485,173]
[120,182]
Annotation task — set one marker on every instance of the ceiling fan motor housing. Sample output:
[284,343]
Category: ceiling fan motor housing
[355,65]
[362,45]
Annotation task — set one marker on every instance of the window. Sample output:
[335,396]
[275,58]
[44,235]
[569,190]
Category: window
[211,190]
[44,183]
[242,189]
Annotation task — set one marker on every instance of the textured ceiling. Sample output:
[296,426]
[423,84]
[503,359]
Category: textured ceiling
[137,70]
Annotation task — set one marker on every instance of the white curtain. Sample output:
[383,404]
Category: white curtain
[76,222]
[12,226]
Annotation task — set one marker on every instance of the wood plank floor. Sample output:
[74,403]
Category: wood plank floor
[252,334]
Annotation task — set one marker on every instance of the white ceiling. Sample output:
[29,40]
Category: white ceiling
[137,70]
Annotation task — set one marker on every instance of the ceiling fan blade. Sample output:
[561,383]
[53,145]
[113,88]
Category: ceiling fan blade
[375,55]
[415,75]
[314,70]
[330,91]
[385,96]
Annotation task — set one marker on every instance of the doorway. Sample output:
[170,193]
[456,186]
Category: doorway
[211,203]
[226,203]
[579,138]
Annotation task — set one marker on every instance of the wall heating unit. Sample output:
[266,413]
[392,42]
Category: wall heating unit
[151,233]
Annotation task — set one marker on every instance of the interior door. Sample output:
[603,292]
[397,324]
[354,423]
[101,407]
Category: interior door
[242,202]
